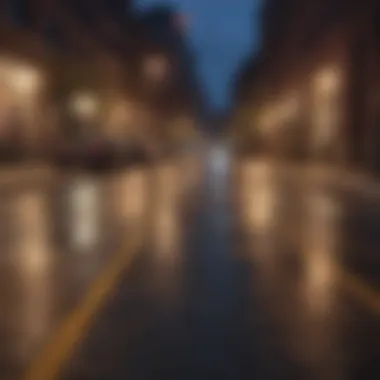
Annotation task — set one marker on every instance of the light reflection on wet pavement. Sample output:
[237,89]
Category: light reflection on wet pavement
[250,287]
[271,276]
[58,231]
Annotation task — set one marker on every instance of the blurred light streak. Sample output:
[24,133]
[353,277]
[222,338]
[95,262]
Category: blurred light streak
[166,233]
[324,215]
[84,105]
[26,81]
[321,278]
[276,115]
[259,197]
[84,202]
[130,195]
[326,91]
[22,79]
[165,207]
[327,80]
[321,238]
[33,244]
[35,264]
[121,118]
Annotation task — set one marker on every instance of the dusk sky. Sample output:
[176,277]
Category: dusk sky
[221,33]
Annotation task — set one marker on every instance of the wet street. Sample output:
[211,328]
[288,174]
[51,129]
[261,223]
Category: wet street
[274,277]
[59,231]
[249,270]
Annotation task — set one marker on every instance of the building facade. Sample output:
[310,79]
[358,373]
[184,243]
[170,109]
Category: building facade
[64,57]
[22,87]
[170,84]
[316,84]
[71,68]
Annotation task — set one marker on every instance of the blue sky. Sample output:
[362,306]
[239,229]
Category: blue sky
[221,33]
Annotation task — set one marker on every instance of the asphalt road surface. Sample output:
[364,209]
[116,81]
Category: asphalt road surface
[269,274]
[244,271]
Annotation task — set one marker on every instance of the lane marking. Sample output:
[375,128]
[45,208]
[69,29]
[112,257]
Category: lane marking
[72,330]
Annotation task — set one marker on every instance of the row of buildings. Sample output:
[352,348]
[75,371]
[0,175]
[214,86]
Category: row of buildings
[313,91]
[76,67]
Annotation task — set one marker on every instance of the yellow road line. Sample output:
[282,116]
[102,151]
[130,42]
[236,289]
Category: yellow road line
[48,365]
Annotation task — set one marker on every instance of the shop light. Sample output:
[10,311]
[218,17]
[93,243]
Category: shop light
[25,80]
[20,78]
[327,80]
[84,105]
